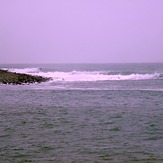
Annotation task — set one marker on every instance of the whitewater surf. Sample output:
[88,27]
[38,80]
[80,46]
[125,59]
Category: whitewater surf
[79,76]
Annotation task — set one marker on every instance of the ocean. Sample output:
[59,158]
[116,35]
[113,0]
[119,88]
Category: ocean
[95,113]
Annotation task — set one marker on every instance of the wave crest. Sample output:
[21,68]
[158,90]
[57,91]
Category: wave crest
[95,76]
[25,70]
[75,76]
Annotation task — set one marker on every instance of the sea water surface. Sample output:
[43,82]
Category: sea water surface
[86,113]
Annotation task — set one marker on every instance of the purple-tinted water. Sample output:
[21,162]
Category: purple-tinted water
[98,121]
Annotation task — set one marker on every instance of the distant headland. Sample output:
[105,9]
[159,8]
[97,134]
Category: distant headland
[7,77]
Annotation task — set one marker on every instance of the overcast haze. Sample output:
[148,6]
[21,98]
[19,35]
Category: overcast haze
[81,31]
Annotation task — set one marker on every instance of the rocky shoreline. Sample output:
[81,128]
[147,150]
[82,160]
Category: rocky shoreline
[7,77]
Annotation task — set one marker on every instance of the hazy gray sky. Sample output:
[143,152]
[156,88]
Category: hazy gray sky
[81,31]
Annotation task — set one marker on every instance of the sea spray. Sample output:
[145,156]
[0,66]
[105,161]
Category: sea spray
[79,76]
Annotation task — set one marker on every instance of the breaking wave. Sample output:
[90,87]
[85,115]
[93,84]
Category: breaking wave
[25,70]
[86,75]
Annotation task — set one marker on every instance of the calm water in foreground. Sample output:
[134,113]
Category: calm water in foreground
[109,113]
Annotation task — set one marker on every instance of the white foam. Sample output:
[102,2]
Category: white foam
[94,76]
[25,70]
[79,76]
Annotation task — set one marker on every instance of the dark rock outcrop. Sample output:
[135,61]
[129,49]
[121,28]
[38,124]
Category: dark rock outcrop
[7,77]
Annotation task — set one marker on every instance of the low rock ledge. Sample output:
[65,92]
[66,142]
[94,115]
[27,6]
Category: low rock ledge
[7,77]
